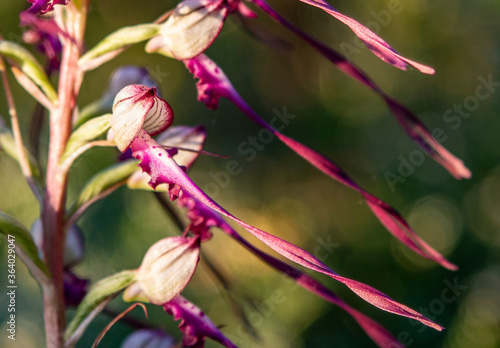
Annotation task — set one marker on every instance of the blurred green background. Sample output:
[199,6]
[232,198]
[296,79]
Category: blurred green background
[282,194]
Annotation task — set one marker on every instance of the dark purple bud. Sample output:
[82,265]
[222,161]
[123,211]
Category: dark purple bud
[147,338]
[75,288]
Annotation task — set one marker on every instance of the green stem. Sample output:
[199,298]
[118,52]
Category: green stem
[53,212]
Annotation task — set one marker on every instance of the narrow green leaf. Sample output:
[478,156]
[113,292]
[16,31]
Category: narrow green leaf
[105,180]
[87,132]
[14,230]
[119,39]
[8,144]
[29,65]
[100,292]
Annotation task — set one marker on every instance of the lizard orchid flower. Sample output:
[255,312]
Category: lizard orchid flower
[125,76]
[162,169]
[213,84]
[204,219]
[195,24]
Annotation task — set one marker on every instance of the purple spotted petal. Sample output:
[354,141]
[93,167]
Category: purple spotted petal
[163,170]
[410,123]
[195,325]
[182,138]
[204,217]
[214,84]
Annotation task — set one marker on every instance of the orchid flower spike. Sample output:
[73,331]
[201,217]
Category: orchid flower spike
[138,107]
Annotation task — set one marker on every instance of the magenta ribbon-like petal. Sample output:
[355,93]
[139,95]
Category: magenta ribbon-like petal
[378,46]
[410,123]
[159,164]
[214,84]
[195,325]
[202,219]
[415,129]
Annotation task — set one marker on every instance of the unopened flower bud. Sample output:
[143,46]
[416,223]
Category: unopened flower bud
[138,107]
[168,267]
